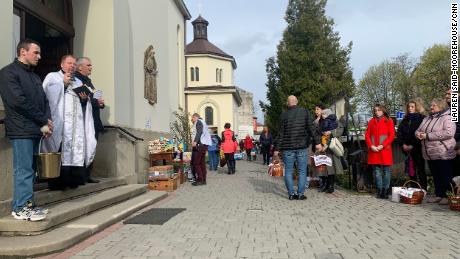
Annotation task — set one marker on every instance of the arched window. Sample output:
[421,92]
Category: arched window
[220,75]
[217,75]
[192,74]
[197,74]
[209,115]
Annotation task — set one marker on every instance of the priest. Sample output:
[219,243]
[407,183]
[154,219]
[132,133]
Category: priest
[73,121]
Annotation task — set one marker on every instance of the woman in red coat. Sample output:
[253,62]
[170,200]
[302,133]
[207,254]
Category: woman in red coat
[380,134]
[229,147]
[248,146]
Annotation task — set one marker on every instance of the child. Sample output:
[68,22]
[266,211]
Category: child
[327,124]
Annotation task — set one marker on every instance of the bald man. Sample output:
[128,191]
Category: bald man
[294,137]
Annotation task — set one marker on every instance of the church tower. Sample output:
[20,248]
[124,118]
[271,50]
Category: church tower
[210,89]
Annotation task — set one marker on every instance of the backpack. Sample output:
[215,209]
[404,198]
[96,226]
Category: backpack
[213,146]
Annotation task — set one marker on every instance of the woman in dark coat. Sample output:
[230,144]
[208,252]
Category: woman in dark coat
[411,146]
[327,128]
[266,142]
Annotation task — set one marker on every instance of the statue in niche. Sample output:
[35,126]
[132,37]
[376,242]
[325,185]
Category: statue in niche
[150,76]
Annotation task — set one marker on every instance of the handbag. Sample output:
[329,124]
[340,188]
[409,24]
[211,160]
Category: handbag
[336,147]
[410,166]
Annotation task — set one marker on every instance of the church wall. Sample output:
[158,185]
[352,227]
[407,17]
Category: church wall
[207,66]
[136,25]
[114,35]
[7,52]
[223,103]
[94,38]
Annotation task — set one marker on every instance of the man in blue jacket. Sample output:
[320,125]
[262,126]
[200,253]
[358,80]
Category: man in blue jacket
[28,118]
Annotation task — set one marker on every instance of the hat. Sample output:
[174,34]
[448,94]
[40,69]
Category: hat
[326,112]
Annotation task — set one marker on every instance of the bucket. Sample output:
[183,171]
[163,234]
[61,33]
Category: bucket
[395,194]
[48,164]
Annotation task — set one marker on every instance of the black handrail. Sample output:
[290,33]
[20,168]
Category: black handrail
[123,131]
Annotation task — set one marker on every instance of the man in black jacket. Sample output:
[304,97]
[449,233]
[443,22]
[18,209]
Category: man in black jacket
[28,118]
[84,68]
[294,137]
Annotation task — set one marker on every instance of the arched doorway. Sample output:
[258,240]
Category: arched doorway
[49,22]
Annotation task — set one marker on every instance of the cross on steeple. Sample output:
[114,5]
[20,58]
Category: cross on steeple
[200,8]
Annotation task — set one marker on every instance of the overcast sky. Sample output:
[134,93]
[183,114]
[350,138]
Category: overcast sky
[250,30]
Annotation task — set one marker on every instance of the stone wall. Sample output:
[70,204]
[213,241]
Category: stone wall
[246,110]
[117,156]
[6,164]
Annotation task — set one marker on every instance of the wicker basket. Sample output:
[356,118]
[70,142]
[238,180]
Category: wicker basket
[417,197]
[314,183]
[454,200]
[319,168]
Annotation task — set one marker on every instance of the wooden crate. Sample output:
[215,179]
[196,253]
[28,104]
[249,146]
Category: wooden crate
[161,168]
[167,185]
[183,177]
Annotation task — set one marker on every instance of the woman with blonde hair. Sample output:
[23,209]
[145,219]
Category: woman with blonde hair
[438,147]
[411,146]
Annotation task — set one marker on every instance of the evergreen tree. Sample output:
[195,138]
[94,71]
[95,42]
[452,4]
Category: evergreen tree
[310,62]
[274,96]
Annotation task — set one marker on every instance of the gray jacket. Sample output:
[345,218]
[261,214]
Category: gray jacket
[440,142]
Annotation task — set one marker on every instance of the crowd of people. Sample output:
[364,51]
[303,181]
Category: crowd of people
[430,137]
[423,137]
[62,113]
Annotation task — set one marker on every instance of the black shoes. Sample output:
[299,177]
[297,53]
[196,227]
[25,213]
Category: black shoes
[330,189]
[297,197]
[293,197]
[91,180]
[198,183]
[382,193]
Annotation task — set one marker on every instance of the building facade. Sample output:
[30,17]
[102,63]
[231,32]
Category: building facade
[210,89]
[245,114]
[120,37]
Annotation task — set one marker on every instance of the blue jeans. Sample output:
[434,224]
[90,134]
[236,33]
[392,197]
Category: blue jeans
[289,156]
[382,176]
[24,173]
[213,160]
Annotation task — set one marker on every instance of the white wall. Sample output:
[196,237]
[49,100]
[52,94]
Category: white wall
[155,23]
[6,30]
[115,34]
[208,65]
[94,38]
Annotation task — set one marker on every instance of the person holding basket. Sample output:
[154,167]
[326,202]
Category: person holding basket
[326,126]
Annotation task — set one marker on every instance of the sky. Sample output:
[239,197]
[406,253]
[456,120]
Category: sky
[250,31]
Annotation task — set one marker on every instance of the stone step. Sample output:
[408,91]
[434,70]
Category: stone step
[75,231]
[67,210]
[46,196]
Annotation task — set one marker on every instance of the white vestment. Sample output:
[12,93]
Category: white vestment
[71,128]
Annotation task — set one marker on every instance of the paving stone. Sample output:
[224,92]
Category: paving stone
[247,215]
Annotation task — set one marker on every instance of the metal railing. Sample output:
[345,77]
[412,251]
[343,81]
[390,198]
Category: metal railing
[124,131]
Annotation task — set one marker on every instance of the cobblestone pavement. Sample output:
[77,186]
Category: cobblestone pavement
[248,215]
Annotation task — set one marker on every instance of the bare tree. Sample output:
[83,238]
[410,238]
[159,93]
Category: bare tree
[180,128]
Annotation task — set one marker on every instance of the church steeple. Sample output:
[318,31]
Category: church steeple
[200,28]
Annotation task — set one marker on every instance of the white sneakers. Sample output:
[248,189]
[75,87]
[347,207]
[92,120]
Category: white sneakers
[31,214]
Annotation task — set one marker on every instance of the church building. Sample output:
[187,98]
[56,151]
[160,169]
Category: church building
[210,89]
